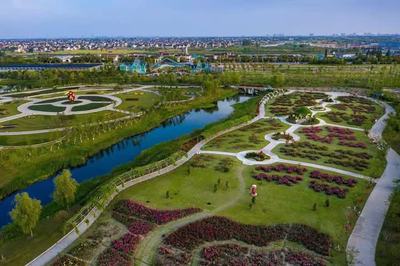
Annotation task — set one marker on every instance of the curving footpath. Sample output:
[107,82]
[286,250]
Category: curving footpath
[362,240]
[361,246]
[61,245]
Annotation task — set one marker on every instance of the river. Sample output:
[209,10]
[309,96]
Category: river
[127,150]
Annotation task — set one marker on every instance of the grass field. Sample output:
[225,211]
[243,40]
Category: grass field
[10,108]
[47,108]
[387,249]
[251,137]
[89,106]
[137,101]
[28,139]
[37,122]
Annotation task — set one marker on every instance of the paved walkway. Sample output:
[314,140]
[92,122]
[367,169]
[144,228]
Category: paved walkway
[274,158]
[361,245]
[92,216]
[369,224]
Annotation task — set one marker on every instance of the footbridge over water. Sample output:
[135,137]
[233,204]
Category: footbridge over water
[253,90]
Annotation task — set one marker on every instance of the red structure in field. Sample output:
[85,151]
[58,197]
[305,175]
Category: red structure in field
[71,96]
[253,191]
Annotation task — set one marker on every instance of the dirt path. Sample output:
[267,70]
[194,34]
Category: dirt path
[146,253]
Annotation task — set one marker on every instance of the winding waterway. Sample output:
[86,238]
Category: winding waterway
[127,150]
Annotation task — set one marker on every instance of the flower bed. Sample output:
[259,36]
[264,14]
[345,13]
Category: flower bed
[281,180]
[346,158]
[112,257]
[67,261]
[126,243]
[257,156]
[138,210]
[232,254]
[329,190]
[350,182]
[282,168]
[344,136]
[188,237]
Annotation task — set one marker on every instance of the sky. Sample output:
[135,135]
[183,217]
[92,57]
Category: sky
[131,18]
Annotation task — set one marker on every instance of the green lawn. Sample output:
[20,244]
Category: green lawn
[190,185]
[377,163]
[10,108]
[137,101]
[89,106]
[387,249]
[46,234]
[28,139]
[47,108]
[251,137]
[37,122]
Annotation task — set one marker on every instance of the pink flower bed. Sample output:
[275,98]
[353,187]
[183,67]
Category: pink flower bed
[350,182]
[131,208]
[329,190]
[232,254]
[126,243]
[140,221]
[282,168]
[345,136]
[281,180]
[112,257]
[140,227]
[219,229]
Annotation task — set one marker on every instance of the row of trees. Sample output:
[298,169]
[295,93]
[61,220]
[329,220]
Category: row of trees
[27,211]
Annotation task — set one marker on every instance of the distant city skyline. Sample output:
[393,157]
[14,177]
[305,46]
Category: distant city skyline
[183,18]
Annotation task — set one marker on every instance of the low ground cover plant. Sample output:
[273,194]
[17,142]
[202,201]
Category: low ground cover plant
[177,247]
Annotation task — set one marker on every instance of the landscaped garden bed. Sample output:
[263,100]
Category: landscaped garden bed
[131,208]
[89,106]
[185,239]
[235,254]
[287,104]
[257,156]
[47,108]
[250,137]
[354,111]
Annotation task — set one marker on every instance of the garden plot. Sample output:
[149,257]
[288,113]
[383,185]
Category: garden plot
[354,112]
[251,137]
[288,103]
[208,182]
[337,147]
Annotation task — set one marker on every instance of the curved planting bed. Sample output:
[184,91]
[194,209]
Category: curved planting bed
[139,220]
[47,108]
[95,98]
[233,254]
[177,247]
[89,106]
[131,208]
[52,100]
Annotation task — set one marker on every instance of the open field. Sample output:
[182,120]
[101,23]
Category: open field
[137,101]
[9,109]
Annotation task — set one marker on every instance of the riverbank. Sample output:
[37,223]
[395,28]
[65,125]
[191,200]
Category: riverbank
[19,250]
[20,168]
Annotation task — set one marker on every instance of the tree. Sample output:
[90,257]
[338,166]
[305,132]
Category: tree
[66,187]
[26,212]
